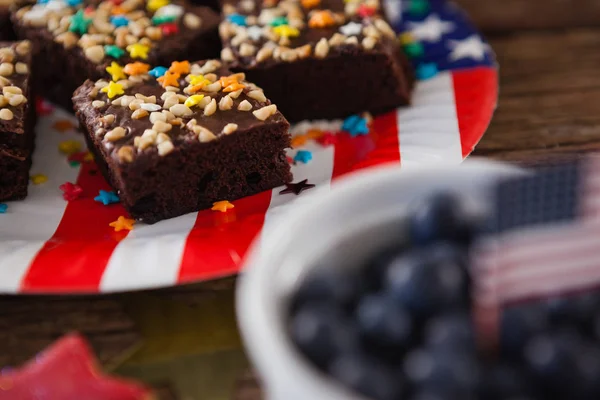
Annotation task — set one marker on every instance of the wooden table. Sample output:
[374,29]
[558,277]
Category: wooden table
[185,340]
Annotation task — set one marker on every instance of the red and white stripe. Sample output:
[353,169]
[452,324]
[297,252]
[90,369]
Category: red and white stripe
[49,245]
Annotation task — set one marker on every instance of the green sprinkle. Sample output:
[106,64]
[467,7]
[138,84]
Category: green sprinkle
[79,23]
[277,21]
[414,50]
[158,20]
[418,7]
[113,51]
[74,163]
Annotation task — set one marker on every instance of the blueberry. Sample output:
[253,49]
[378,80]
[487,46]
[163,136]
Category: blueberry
[374,271]
[575,310]
[588,371]
[366,376]
[335,285]
[440,217]
[384,322]
[504,382]
[451,332]
[426,282]
[518,325]
[322,333]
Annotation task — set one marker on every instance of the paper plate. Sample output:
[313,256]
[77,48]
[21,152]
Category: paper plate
[49,245]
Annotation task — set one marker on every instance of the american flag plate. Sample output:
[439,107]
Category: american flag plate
[49,245]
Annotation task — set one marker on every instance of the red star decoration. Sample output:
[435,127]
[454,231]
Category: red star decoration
[327,139]
[70,191]
[169,29]
[365,11]
[289,159]
[66,370]
[41,107]
[297,188]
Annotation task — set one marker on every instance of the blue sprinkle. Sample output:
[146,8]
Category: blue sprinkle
[73,3]
[426,71]
[237,19]
[119,21]
[43,1]
[107,198]
[157,72]
[3,208]
[355,125]
[303,156]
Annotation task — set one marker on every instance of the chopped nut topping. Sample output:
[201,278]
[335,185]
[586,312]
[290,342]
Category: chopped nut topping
[107,119]
[213,87]
[98,103]
[230,128]
[258,95]
[95,54]
[181,110]
[322,48]
[115,134]
[162,137]
[264,54]
[369,42]
[265,112]
[210,108]
[165,148]
[170,102]
[337,39]
[139,114]
[353,40]
[157,116]
[204,135]
[225,103]
[192,21]
[236,94]
[21,68]
[6,114]
[160,126]
[247,50]
[227,54]
[16,100]
[6,69]
[23,48]
[125,154]
[245,106]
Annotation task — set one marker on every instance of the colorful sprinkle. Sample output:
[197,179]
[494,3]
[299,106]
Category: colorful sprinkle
[198,80]
[414,50]
[137,50]
[351,28]
[297,188]
[171,10]
[355,125]
[237,19]
[321,19]
[136,68]
[314,134]
[157,72]
[154,5]
[3,208]
[74,3]
[222,206]
[69,147]
[278,21]
[299,140]
[426,71]
[303,156]
[406,38]
[327,139]
[71,191]
[116,71]
[169,79]
[169,29]
[113,89]
[117,10]
[366,11]
[308,4]
[122,223]
[193,100]
[79,23]
[77,158]
[180,67]
[164,19]
[63,125]
[119,21]
[113,51]
[107,198]
[286,31]
[418,8]
[38,179]
[42,107]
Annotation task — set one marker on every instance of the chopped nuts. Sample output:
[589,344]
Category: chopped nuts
[23,48]
[369,42]
[157,116]
[384,28]
[352,40]
[160,126]
[6,69]
[125,154]
[139,114]
[181,110]
[245,106]
[6,114]
[16,100]
[236,94]
[165,148]
[247,50]
[8,90]
[95,54]
[265,112]
[304,51]
[151,106]
[170,102]
[322,48]
[337,39]
[162,137]
[3,101]
[67,39]
[225,103]
[210,108]
[227,54]
[258,95]
[289,55]
[108,119]
[213,87]
[98,103]
[115,134]
[204,135]
[21,68]
[264,54]
[192,21]
[230,128]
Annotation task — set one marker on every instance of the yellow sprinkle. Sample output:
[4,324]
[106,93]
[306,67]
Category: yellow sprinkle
[286,30]
[69,147]
[406,38]
[222,206]
[113,89]
[198,79]
[137,50]
[154,5]
[193,100]
[88,157]
[116,71]
[38,179]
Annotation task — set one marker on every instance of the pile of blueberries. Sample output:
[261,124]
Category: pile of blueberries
[400,327]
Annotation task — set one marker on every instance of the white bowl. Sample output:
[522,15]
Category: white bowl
[288,251]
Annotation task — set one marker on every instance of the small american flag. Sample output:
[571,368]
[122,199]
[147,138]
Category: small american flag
[543,239]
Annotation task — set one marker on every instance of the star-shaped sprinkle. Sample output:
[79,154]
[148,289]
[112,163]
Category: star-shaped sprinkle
[351,29]
[157,72]
[79,157]
[42,107]
[198,80]
[418,7]
[154,5]
[66,370]
[165,19]
[136,68]
[255,33]
[426,71]
[122,223]
[116,71]
[119,20]
[406,38]
[431,29]
[113,51]
[471,47]
[222,206]
[321,19]
[308,4]
[169,29]
[63,125]
[106,197]
[117,10]
[278,21]
[355,125]
[169,79]
[69,147]
[74,3]
[38,179]
[3,208]
[79,23]
[297,188]
[180,67]
[366,11]
[303,156]
[314,134]
[299,140]
[286,31]
[137,50]
[193,100]
[113,89]
[414,50]
[327,139]
[237,19]
[170,10]
[71,191]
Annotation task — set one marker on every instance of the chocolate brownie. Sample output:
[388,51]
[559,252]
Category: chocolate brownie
[74,43]
[175,140]
[17,119]
[317,58]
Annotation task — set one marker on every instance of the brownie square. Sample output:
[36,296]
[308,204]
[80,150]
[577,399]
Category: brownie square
[74,43]
[317,58]
[175,141]
[17,119]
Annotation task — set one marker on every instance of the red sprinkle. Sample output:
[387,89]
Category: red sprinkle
[365,11]
[42,107]
[70,191]
[290,160]
[169,29]
[327,139]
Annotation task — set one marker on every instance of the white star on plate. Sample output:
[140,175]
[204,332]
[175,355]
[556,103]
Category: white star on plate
[472,47]
[431,29]
[255,32]
[351,29]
